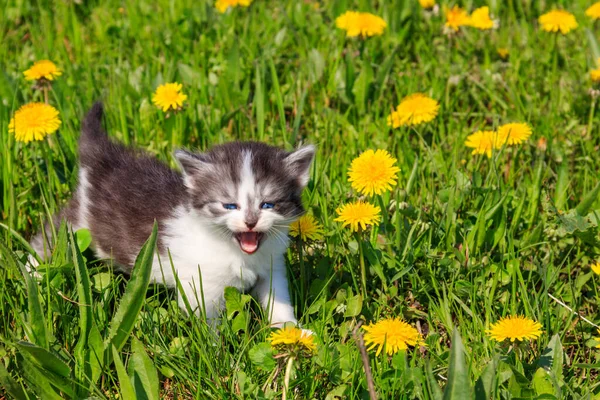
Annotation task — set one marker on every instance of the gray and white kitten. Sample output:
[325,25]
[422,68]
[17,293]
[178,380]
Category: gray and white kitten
[225,217]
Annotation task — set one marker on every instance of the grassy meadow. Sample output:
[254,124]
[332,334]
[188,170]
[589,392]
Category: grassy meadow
[464,239]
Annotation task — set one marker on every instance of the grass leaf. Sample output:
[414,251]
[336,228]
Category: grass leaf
[35,317]
[83,368]
[142,372]
[458,386]
[10,385]
[125,387]
[131,303]
[484,387]
[586,203]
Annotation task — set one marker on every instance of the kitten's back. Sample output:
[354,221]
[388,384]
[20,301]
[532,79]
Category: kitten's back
[120,192]
[126,191]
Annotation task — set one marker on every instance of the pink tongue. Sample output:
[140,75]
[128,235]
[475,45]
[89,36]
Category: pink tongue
[249,241]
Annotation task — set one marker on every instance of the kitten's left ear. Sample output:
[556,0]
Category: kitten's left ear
[192,164]
[298,163]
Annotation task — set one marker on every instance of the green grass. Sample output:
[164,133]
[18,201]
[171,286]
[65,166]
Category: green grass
[465,239]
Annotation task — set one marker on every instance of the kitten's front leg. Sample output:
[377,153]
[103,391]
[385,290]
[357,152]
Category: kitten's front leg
[273,294]
[209,306]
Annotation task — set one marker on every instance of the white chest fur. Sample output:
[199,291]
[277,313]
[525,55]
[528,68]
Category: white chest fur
[207,260]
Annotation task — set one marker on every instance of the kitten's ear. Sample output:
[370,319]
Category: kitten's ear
[191,164]
[298,163]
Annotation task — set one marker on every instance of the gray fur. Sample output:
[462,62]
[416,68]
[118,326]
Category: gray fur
[128,189]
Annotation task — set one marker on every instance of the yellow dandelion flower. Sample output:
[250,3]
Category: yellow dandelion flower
[292,338]
[427,4]
[558,20]
[515,328]
[360,23]
[358,215]
[514,133]
[593,11]
[596,268]
[34,121]
[307,228]
[223,5]
[43,69]
[503,53]
[169,96]
[595,75]
[483,142]
[373,172]
[393,334]
[597,339]
[480,19]
[456,17]
[414,110]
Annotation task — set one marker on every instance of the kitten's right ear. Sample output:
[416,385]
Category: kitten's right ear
[192,164]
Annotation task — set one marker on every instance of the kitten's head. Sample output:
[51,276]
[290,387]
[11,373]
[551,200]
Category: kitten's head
[249,191]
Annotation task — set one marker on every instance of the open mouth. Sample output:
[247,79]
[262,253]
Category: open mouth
[249,241]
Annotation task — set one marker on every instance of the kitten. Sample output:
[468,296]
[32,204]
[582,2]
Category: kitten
[223,220]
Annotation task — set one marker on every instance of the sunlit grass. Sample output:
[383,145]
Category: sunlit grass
[463,241]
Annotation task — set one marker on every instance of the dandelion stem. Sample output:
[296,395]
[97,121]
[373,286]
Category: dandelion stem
[363,271]
[365,360]
[286,379]
[591,117]
[303,274]
[555,62]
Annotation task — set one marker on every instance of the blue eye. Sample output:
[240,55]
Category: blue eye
[230,206]
[267,206]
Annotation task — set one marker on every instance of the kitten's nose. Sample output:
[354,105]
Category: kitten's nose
[251,224]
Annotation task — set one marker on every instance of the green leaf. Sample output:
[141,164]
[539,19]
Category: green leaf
[339,392]
[123,321]
[360,90]
[562,186]
[45,371]
[434,387]
[458,386]
[586,203]
[101,281]
[37,332]
[353,306]
[593,43]
[9,259]
[572,222]
[316,65]
[84,239]
[142,372]
[535,191]
[551,360]
[39,382]
[240,322]
[484,386]
[62,251]
[542,382]
[95,341]
[262,356]
[9,385]
[278,97]
[235,302]
[125,387]
[45,359]
[189,75]
[83,368]
[259,102]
